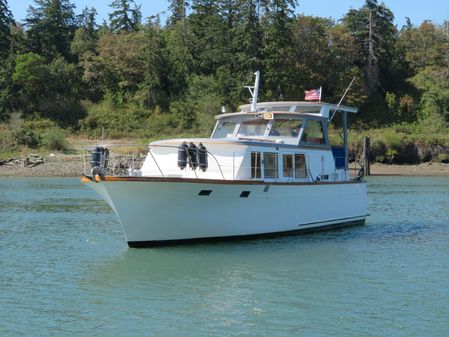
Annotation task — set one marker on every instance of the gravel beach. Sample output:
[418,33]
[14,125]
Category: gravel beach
[53,166]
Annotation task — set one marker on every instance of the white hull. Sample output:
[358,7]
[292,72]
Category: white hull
[163,211]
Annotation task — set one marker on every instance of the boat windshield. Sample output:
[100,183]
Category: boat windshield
[253,128]
[286,127]
[225,129]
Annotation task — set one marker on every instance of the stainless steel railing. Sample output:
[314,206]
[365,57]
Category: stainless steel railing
[121,164]
[125,159]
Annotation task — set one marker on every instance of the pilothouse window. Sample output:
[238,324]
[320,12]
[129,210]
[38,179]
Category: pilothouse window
[253,128]
[313,133]
[286,127]
[224,129]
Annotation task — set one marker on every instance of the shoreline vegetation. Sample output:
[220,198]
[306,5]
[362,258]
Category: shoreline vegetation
[67,78]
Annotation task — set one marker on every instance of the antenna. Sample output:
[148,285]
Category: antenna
[254,91]
[342,98]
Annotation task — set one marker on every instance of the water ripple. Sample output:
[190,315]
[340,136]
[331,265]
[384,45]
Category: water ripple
[66,271]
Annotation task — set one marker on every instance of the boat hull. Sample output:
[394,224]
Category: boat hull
[156,212]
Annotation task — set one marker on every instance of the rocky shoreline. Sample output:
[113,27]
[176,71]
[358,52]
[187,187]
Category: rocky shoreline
[62,165]
[52,165]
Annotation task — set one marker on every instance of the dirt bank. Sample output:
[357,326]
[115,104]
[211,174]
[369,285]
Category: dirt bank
[424,169]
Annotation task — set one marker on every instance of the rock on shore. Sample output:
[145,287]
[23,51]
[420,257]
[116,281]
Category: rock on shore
[43,166]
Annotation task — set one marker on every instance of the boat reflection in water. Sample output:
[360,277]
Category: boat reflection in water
[268,169]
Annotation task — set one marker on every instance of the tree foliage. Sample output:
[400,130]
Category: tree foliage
[174,77]
[125,17]
[51,25]
[6,21]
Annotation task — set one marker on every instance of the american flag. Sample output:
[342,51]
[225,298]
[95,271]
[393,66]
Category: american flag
[313,95]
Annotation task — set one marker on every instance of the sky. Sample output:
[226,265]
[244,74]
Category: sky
[418,11]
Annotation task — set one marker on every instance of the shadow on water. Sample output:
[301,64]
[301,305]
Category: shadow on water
[272,258]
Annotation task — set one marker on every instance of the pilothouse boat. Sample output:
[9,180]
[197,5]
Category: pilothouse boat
[267,169]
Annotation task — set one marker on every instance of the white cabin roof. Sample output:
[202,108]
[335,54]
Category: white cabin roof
[320,109]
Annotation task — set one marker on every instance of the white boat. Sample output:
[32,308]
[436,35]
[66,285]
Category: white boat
[268,169]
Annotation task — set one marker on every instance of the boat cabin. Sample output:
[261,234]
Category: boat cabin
[293,123]
[278,142]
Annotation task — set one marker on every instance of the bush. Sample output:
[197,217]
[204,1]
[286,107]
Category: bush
[161,123]
[118,120]
[7,141]
[443,158]
[55,139]
[26,136]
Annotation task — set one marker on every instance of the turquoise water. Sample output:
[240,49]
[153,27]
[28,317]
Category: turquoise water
[65,270]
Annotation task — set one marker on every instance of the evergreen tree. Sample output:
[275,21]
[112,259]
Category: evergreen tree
[247,35]
[278,48]
[86,35]
[373,29]
[242,49]
[86,20]
[208,30]
[51,25]
[6,21]
[7,94]
[178,11]
[179,58]
[153,89]
[125,18]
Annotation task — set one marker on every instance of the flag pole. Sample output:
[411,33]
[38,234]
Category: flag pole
[321,90]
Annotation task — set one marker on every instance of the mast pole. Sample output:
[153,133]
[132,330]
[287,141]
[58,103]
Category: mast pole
[256,91]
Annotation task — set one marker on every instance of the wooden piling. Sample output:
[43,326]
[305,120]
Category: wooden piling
[366,156]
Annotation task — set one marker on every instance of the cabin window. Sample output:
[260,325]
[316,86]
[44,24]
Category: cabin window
[270,165]
[287,165]
[256,165]
[300,166]
[313,133]
[224,129]
[253,128]
[286,127]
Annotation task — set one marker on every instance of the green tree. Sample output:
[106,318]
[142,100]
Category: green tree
[153,89]
[125,18]
[208,33]
[7,93]
[179,58]
[49,90]
[86,36]
[178,11]
[375,33]
[242,50]
[314,60]
[426,45]
[278,48]
[51,25]
[426,50]
[6,21]
[344,66]
[18,40]
[118,67]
